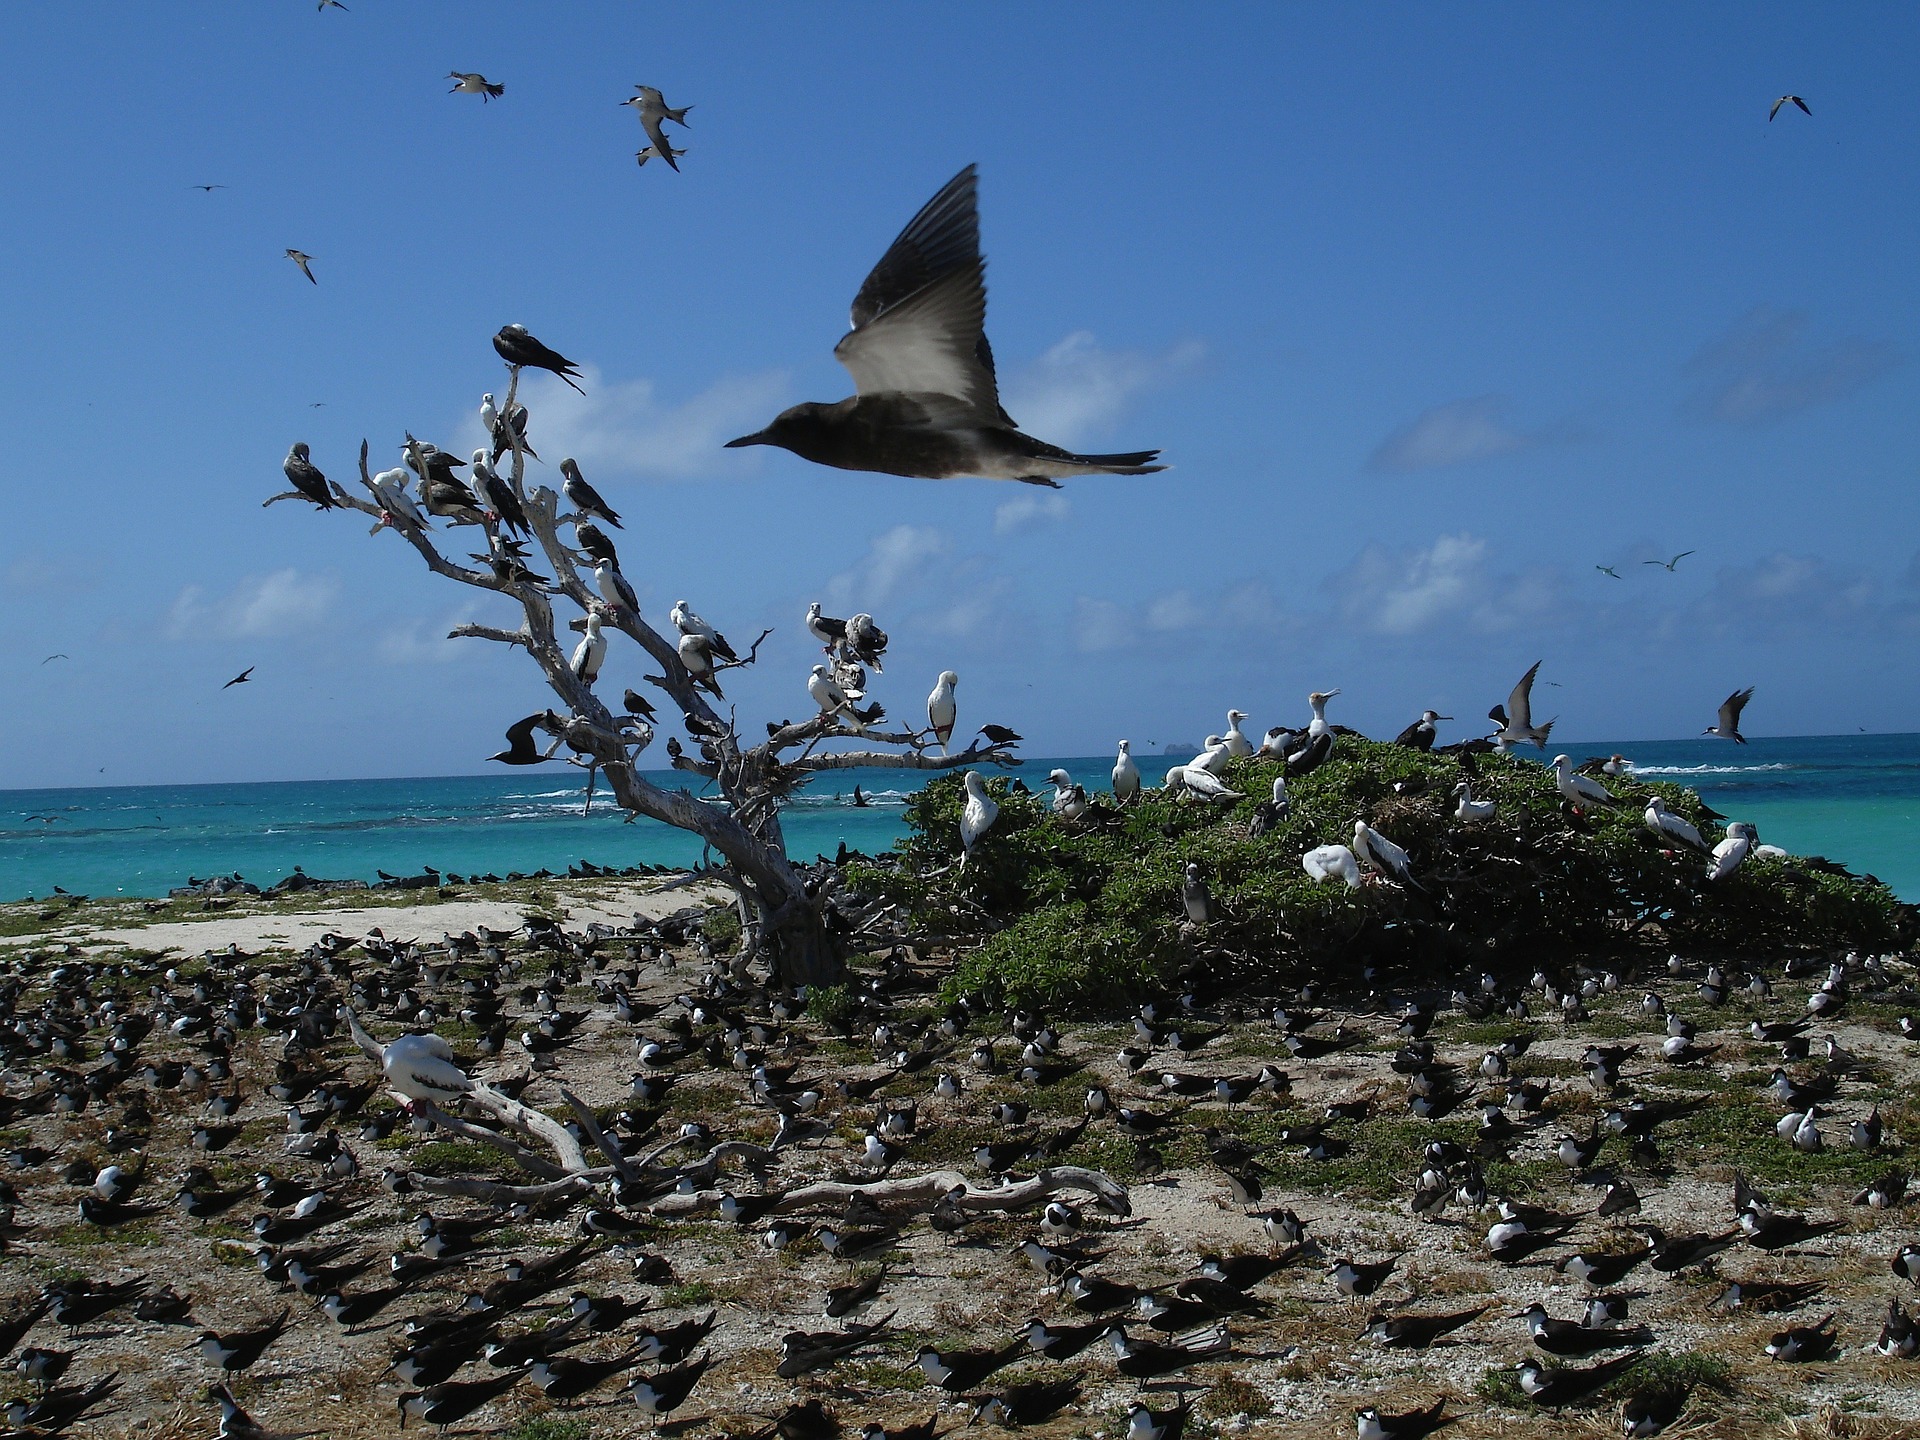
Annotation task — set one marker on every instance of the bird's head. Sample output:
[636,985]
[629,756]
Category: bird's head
[800,428]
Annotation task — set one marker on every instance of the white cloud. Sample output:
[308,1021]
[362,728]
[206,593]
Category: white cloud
[425,642]
[893,560]
[1762,369]
[1078,389]
[282,602]
[1101,625]
[1176,610]
[1030,511]
[624,429]
[973,610]
[1456,433]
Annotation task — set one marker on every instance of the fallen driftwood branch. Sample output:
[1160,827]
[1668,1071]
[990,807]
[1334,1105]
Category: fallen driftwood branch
[498,1192]
[925,1189]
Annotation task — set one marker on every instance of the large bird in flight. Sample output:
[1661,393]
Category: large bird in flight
[928,404]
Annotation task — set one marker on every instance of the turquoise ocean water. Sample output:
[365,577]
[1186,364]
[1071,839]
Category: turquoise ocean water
[1853,798]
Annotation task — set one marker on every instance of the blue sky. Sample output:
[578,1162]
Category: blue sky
[1432,310]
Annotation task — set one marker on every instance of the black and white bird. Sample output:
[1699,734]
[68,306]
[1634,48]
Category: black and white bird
[1727,725]
[238,1350]
[927,402]
[1514,720]
[1787,100]
[614,588]
[651,106]
[305,476]
[1420,735]
[943,711]
[472,82]
[591,653]
[1580,791]
[498,495]
[583,497]
[519,349]
[304,261]
[1374,1424]
[1732,852]
[454,1400]
[505,430]
[1667,827]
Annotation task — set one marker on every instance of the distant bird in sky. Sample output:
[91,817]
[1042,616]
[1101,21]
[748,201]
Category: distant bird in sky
[334,3]
[60,656]
[239,679]
[651,106]
[302,259]
[208,188]
[584,498]
[1609,570]
[1727,727]
[305,476]
[928,403]
[44,819]
[1787,100]
[518,348]
[1669,564]
[1515,718]
[471,82]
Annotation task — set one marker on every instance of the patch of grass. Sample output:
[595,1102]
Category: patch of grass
[686,1296]
[459,1157]
[1232,1396]
[549,1427]
[1500,1384]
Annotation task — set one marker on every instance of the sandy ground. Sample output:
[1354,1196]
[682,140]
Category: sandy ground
[1298,1370]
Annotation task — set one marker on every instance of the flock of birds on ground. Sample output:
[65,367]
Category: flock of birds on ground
[112,1067]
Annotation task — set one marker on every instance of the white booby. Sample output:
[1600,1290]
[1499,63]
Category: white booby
[1727,726]
[614,588]
[1318,700]
[977,814]
[1618,766]
[1381,853]
[688,623]
[1577,788]
[1281,804]
[1238,746]
[390,489]
[696,653]
[1515,719]
[1069,800]
[1332,862]
[833,700]
[942,709]
[1126,774]
[1731,853]
[591,652]
[1470,810]
[1203,783]
[1213,756]
[1667,826]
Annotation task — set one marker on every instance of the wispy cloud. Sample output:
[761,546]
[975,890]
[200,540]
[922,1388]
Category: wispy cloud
[1784,592]
[283,602]
[1029,512]
[894,559]
[1245,608]
[1078,389]
[1764,368]
[623,428]
[1102,625]
[1406,592]
[418,642]
[1457,433]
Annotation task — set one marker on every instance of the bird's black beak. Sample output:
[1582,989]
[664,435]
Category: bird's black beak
[759,437]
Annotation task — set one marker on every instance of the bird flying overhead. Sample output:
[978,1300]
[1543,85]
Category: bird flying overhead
[1609,570]
[651,106]
[1669,564]
[303,260]
[518,348]
[1787,100]
[61,656]
[474,83]
[928,404]
[1515,718]
[239,679]
[209,189]
[335,4]
[1727,727]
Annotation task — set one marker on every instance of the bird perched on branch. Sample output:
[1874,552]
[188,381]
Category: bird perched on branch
[583,497]
[614,588]
[942,709]
[1579,791]
[519,349]
[504,430]
[1667,826]
[499,495]
[305,476]
[832,700]
[471,82]
[927,401]
[651,106]
[591,652]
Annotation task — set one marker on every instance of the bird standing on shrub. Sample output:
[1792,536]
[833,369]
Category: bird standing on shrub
[1126,774]
[977,815]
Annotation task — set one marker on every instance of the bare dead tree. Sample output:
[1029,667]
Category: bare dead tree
[783,917]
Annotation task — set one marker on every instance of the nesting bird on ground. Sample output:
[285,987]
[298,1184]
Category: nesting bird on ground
[1469,810]
[1201,782]
[1515,719]
[519,349]
[1727,725]
[1374,1424]
[305,476]
[471,82]
[420,1067]
[1318,726]
[1126,774]
[1196,897]
[927,402]
[651,106]
[1238,746]
[1332,862]
[942,709]
[1667,826]
[1069,800]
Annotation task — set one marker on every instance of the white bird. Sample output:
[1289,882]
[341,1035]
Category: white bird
[1203,783]
[1577,788]
[1069,800]
[1126,774]
[1515,719]
[1469,809]
[1618,766]
[390,489]
[591,652]
[1668,826]
[1731,853]
[833,700]
[1381,853]
[1238,746]
[1318,700]
[1281,803]
[976,815]
[614,588]
[1332,862]
[420,1067]
[688,623]
[1213,756]
[696,653]
[942,709]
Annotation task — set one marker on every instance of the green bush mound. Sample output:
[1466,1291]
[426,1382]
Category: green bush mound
[1089,914]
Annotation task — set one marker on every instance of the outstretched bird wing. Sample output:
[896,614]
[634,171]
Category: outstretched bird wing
[1730,710]
[942,241]
[1520,702]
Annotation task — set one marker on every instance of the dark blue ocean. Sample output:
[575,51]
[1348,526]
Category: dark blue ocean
[1853,798]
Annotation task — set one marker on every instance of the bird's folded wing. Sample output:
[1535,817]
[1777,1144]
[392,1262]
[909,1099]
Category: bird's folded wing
[928,344]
